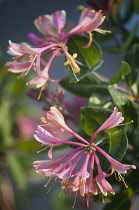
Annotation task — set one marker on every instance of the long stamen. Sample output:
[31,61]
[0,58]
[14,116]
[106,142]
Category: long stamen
[42,88]
[75,199]
[43,149]
[121,178]
[59,197]
[49,179]
[103,200]
[51,185]
[87,201]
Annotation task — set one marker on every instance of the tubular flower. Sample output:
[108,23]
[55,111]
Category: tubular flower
[52,26]
[76,168]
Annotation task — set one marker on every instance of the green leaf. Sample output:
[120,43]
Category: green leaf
[119,98]
[131,111]
[90,57]
[133,137]
[136,5]
[132,58]
[93,117]
[85,87]
[16,171]
[130,38]
[118,144]
[124,70]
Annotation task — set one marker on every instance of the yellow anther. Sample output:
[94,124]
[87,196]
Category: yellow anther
[74,55]
[133,98]
[72,63]
[43,119]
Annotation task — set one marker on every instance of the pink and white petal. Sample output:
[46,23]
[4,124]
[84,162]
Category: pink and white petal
[38,81]
[59,20]
[45,164]
[44,24]
[114,120]
[18,67]
[83,171]
[14,49]
[50,152]
[104,185]
[116,165]
[35,39]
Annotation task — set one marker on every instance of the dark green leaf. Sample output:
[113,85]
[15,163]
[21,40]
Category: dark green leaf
[93,117]
[119,98]
[131,111]
[124,70]
[136,5]
[132,58]
[90,57]
[130,38]
[85,87]
[133,137]
[118,144]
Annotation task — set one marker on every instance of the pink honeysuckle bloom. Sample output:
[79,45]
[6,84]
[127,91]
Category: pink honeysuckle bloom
[52,26]
[114,120]
[89,21]
[43,76]
[48,24]
[55,118]
[79,162]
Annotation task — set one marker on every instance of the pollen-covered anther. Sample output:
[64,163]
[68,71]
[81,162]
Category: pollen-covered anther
[63,187]
[74,189]
[72,63]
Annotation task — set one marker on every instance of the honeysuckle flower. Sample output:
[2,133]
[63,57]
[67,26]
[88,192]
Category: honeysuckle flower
[54,44]
[79,162]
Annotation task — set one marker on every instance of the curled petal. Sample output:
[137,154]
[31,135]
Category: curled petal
[38,81]
[101,181]
[35,39]
[89,21]
[59,20]
[50,152]
[55,118]
[18,67]
[117,166]
[114,120]
[44,24]
[14,49]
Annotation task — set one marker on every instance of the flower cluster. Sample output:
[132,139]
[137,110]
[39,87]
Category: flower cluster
[53,44]
[76,168]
